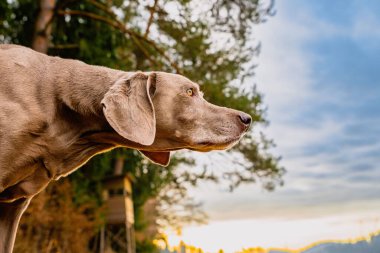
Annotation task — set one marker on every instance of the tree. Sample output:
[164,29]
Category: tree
[207,41]
[55,206]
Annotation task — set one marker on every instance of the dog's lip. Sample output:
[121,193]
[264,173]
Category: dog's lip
[205,143]
[164,149]
[204,146]
[209,145]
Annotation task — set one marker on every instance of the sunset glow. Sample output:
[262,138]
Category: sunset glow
[234,235]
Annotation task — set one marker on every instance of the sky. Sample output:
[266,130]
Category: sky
[319,72]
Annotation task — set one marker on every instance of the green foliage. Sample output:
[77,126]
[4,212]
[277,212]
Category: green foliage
[17,21]
[208,41]
[47,224]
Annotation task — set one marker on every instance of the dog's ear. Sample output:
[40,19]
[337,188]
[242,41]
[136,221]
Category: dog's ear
[161,158]
[128,108]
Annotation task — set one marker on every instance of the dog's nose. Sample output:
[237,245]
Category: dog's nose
[245,119]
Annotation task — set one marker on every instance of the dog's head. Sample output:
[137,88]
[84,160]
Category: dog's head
[162,112]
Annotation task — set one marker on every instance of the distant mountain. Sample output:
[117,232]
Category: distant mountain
[372,246]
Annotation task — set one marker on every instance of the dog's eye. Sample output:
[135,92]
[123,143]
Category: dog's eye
[190,92]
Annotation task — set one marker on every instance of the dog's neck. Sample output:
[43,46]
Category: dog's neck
[82,87]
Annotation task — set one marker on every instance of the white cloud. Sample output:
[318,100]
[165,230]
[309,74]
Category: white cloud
[316,184]
[366,25]
[286,75]
[279,59]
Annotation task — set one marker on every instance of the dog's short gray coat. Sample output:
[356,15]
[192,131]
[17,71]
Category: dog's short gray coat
[55,114]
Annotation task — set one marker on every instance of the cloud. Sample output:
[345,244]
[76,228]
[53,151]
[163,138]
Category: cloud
[324,117]
[366,28]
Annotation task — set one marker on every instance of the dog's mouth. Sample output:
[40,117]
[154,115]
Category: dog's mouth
[205,146]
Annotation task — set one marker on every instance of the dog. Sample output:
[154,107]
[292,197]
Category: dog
[55,114]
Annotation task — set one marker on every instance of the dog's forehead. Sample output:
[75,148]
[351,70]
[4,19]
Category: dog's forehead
[174,79]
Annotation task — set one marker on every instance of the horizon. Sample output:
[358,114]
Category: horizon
[350,233]
[367,239]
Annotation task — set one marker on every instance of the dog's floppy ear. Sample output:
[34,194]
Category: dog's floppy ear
[128,108]
[161,158]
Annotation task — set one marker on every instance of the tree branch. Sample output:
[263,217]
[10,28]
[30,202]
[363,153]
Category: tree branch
[121,27]
[64,46]
[102,7]
[92,16]
[105,9]
[150,59]
[152,11]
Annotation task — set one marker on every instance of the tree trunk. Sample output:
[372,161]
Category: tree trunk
[119,164]
[42,32]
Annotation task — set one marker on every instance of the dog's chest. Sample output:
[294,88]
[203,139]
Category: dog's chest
[63,161]
[43,160]
[41,154]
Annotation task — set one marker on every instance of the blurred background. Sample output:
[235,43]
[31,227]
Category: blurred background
[310,68]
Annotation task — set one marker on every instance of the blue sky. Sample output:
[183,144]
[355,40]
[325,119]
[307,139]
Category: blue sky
[319,71]
[331,140]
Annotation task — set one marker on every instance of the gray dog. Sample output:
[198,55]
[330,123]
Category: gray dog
[55,114]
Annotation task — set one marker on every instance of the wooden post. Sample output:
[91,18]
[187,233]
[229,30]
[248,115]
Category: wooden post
[102,240]
[119,227]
